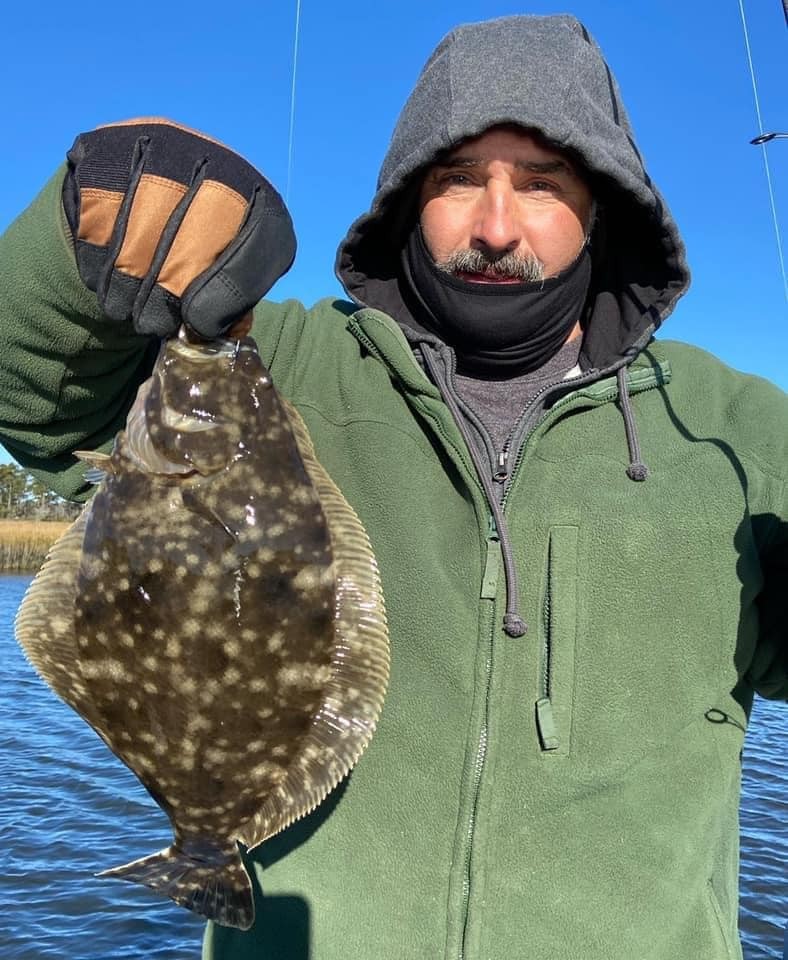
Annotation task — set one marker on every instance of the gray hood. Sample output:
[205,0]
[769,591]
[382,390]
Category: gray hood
[545,74]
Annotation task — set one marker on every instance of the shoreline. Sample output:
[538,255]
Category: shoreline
[24,543]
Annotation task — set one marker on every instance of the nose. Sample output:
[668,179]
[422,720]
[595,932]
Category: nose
[498,229]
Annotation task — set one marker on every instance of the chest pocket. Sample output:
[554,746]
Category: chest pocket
[642,611]
[651,636]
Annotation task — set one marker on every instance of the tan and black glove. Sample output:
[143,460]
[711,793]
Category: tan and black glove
[172,227]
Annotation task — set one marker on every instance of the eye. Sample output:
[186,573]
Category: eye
[546,187]
[455,180]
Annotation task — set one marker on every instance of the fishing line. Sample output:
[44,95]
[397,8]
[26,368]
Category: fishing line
[763,148]
[292,102]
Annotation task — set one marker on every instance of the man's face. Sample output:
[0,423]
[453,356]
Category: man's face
[514,203]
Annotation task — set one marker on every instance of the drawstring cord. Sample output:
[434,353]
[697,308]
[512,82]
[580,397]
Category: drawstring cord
[637,470]
[513,623]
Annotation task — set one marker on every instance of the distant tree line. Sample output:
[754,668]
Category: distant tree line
[24,497]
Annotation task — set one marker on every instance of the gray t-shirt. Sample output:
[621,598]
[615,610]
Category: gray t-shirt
[499,403]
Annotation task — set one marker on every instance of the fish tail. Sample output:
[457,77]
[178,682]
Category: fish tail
[216,886]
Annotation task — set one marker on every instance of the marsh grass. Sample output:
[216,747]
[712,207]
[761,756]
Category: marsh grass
[24,543]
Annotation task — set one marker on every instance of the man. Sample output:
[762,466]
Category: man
[581,531]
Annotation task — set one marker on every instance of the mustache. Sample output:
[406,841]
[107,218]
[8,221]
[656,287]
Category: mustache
[525,269]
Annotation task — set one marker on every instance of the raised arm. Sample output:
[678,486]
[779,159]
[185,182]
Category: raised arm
[147,226]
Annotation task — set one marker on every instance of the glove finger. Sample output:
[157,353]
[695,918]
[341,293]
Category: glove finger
[245,271]
[203,230]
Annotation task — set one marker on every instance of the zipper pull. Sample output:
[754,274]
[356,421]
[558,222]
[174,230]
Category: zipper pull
[545,723]
[490,575]
[502,473]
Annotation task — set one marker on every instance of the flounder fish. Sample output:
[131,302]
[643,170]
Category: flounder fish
[215,614]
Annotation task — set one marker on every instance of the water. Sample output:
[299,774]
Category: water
[70,808]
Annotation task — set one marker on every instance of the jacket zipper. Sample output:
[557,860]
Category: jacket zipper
[478,769]
[564,401]
[365,341]
[489,586]
[489,583]
[545,721]
[558,405]
[523,427]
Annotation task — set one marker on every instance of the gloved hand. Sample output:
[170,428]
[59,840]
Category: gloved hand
[170,226]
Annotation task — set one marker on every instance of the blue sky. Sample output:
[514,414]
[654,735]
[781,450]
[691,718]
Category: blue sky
[681,64]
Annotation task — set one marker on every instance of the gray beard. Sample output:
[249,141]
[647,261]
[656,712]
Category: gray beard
[527,269]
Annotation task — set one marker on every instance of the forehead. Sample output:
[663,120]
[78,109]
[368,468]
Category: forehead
[507,143]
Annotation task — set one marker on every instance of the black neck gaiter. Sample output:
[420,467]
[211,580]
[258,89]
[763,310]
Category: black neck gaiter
[497,330]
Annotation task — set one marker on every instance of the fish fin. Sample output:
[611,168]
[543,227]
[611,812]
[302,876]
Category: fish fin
[220,891]
[359,671]
[44,623]
[94,476]
[99,465]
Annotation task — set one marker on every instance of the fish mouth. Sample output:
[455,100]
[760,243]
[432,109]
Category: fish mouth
[186,422]
[207,350]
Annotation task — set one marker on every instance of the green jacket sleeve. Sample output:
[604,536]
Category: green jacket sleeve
[67,374]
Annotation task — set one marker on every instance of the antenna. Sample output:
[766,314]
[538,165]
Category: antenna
[293,100]
[763,138]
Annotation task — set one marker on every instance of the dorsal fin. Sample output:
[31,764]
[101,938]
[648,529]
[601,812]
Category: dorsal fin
[99,465]
[359,671]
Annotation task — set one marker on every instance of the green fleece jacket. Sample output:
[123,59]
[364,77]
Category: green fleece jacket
[569,794]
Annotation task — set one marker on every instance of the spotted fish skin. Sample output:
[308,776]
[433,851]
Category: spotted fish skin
[215,614]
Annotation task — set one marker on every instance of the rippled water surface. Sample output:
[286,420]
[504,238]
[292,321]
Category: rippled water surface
[69,808]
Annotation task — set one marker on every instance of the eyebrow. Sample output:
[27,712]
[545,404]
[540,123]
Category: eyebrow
[531,166]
